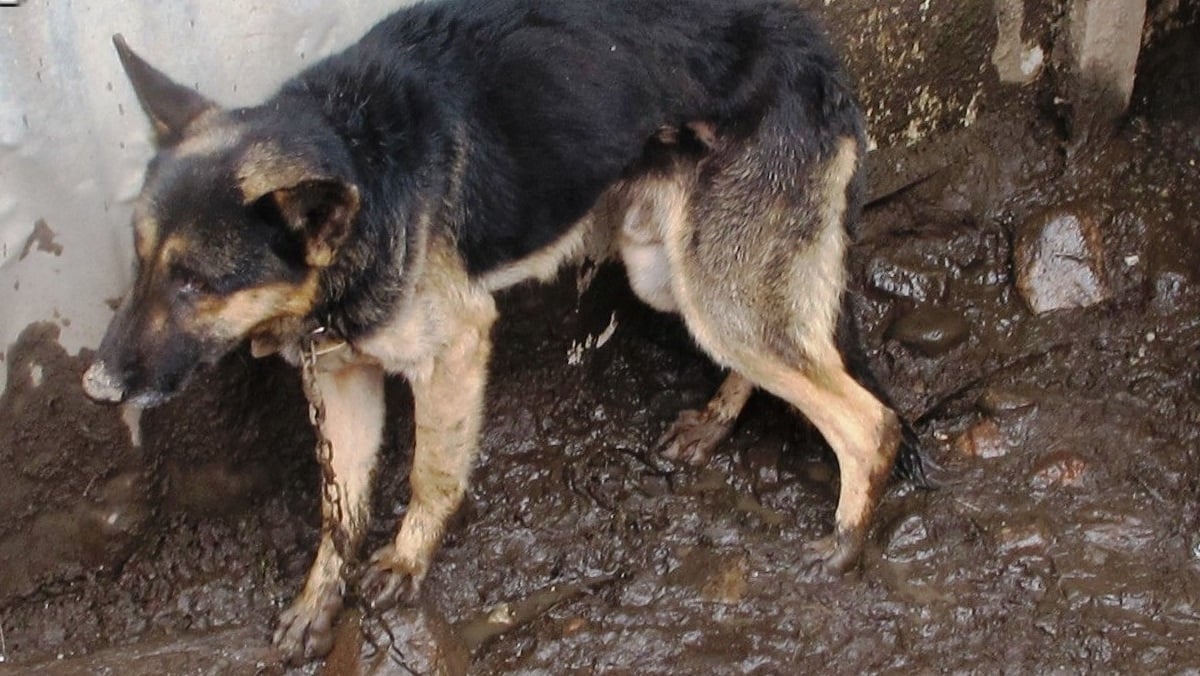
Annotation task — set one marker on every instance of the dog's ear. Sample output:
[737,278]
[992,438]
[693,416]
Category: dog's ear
[320,211]
[170,106]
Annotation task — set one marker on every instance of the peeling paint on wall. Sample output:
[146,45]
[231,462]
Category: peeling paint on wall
[43,238]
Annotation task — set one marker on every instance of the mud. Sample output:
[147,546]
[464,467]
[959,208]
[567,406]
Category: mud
[1065,535]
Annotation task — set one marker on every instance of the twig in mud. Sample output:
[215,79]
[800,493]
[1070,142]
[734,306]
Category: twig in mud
[485,626]
[3,645]
[892,171]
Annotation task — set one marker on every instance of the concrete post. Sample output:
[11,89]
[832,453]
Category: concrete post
[1106,37]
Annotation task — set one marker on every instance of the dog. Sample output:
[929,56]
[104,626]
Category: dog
[359,222]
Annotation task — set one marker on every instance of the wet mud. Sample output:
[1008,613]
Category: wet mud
[1032,307]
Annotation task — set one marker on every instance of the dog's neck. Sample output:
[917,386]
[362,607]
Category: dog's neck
[393,138]
[394,164]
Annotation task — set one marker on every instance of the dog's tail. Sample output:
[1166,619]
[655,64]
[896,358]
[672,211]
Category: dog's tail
[913,463]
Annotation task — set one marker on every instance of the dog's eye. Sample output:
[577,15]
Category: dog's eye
[191,282]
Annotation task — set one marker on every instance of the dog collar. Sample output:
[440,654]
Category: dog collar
[321,341]
[311,343]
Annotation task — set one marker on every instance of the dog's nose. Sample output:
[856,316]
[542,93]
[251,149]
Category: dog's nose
[101,385]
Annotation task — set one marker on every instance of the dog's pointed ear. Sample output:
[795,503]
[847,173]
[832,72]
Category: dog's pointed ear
[321,212]
[170,106]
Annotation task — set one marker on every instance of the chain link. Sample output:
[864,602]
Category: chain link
[331,491]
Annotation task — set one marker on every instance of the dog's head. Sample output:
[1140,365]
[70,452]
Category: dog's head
[240,212]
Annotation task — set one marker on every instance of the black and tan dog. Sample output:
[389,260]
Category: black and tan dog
[386,193]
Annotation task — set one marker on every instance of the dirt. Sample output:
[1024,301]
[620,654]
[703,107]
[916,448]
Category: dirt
[1065,535]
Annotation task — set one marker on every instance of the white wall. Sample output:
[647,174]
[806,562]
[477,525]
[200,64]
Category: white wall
[74,143]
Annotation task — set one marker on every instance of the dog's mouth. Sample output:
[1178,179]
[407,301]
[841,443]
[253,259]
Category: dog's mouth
[149,399]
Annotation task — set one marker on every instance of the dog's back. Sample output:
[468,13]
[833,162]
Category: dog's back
[558,98]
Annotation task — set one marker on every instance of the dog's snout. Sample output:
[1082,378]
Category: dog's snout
[101,385]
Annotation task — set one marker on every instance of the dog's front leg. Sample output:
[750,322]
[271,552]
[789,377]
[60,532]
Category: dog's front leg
[448,394]
[354,407]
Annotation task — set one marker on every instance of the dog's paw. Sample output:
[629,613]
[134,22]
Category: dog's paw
[305,630]
[389,580]
[832,555]
[694,436]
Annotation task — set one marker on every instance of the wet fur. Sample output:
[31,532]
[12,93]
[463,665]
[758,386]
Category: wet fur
[462,147]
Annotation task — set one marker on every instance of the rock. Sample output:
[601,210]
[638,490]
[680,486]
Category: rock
[1026,538]
[982,440]
[1059,261]
[930,331]
[1060,469]
[1003,401]
[910,280]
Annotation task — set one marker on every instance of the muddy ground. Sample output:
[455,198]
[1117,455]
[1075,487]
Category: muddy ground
[1032,306]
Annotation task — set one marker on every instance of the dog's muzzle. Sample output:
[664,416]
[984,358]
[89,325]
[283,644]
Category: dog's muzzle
[101,385]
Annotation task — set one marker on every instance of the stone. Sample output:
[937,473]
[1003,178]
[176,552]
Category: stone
[910,280]
[1059,261]
[931,331]
[982,440]
[1060,469]
[1023,538]
[1004,401]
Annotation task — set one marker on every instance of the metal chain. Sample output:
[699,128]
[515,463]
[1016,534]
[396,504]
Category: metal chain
[331,492]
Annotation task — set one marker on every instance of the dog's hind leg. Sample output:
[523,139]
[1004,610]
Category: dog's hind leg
[696,433]
[650,204]
[758,268]
[864,435]
[354,409]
